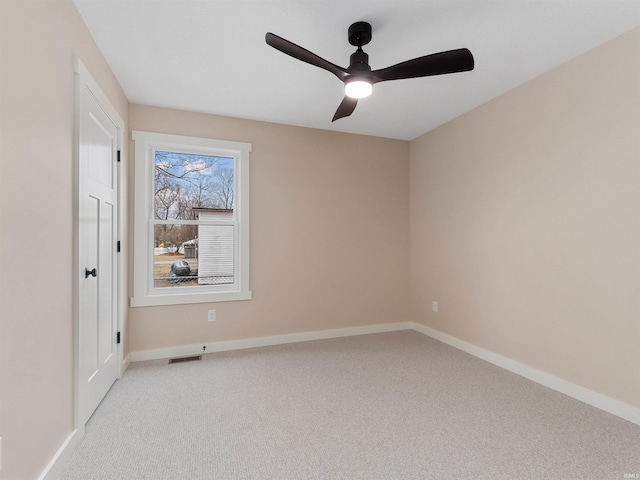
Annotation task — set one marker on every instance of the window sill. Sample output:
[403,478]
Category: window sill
[187,298]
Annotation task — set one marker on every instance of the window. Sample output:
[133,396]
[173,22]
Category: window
[191,234]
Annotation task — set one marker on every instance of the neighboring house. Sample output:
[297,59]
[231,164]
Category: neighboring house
[215,246]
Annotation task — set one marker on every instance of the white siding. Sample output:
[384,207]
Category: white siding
[215,249]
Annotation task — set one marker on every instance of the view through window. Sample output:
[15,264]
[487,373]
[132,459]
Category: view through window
[194,221]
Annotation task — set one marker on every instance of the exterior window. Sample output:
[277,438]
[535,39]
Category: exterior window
[191,220]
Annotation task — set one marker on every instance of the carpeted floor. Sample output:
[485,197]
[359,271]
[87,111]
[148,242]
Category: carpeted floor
[386,406]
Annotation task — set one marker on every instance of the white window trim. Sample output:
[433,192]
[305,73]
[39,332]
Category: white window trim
[144,294]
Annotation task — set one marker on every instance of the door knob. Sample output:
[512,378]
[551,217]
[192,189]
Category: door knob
[88,272]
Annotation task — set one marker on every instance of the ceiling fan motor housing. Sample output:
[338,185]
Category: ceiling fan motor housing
[359,62]
[359,35]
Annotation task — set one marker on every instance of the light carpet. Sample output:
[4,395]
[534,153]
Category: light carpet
[395,405]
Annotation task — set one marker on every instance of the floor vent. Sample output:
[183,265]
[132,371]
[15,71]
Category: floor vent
[185,359]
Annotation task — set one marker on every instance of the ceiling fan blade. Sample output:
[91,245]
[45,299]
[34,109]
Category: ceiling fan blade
[296,51]
[451,61]
[346,108]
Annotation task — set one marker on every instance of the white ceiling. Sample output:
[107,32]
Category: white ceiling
[210,56]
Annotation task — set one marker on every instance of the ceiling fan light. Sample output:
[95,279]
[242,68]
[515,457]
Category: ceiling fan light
[358,89]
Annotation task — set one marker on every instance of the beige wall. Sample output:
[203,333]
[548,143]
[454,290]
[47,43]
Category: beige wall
[38,41]
[329,243]
[525,223]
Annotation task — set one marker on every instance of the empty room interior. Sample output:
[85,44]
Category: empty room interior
[218,264]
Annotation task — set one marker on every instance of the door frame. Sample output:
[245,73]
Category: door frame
[84,79]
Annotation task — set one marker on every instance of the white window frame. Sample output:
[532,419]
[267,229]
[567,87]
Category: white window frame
[144,293]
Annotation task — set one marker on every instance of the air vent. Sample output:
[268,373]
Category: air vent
[185,359]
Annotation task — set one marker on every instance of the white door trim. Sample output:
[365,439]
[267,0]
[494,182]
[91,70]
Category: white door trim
[85,80]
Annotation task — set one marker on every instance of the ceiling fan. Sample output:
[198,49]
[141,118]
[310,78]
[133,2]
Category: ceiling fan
[359,78]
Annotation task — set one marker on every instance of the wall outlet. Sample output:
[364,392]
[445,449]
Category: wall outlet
[212,316]
[435,307]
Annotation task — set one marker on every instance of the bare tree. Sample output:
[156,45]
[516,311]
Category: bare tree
[184,182]
[223,189]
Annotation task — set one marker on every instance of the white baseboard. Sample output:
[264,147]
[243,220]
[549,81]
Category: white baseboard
[186,350]
[125,364]
[582,394]
[57,463]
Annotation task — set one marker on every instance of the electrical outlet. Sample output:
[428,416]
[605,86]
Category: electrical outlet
[435,307]
[212,316]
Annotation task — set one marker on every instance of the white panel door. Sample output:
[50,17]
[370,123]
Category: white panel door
[97,229]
